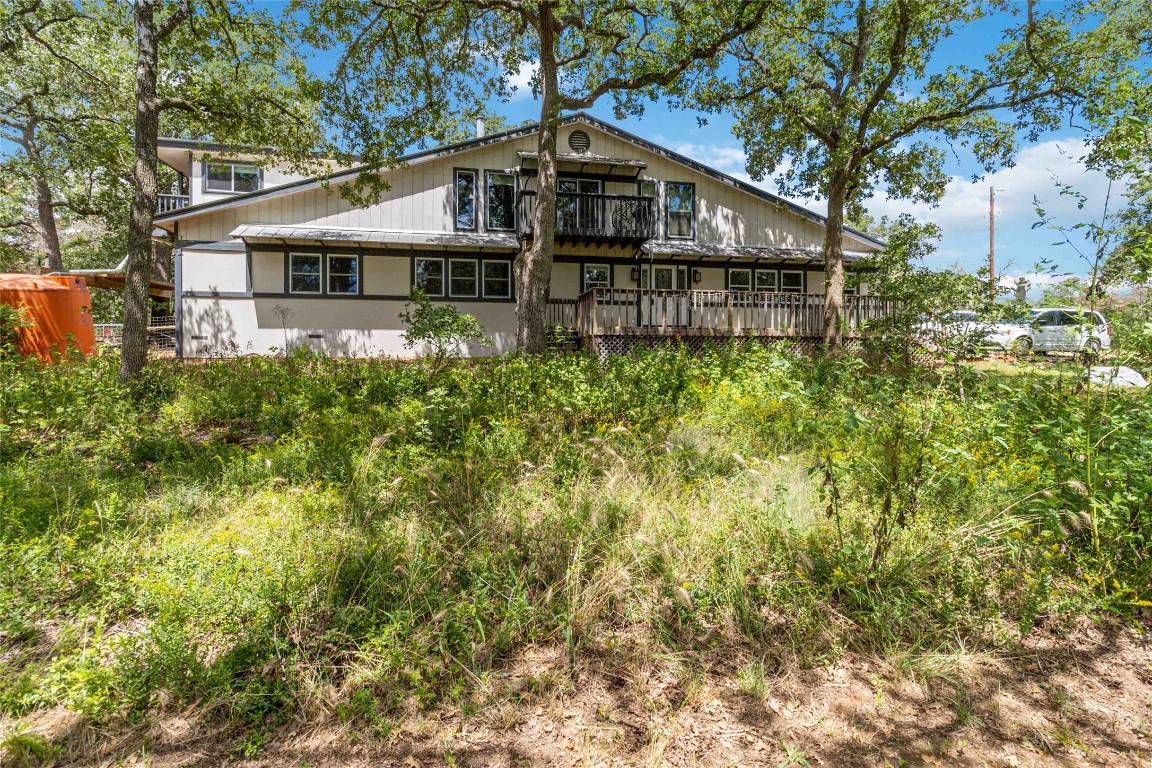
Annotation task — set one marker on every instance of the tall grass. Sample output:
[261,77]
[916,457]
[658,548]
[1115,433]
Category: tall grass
[271,535]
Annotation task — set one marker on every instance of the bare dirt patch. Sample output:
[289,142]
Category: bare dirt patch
[1080,699]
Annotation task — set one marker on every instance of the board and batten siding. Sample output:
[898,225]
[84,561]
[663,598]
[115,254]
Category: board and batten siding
[420,199]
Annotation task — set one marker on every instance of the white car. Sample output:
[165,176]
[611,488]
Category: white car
[1055,329]
[961,326]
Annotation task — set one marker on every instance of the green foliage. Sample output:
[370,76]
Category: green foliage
[249,532]
[12,320]
[440,329]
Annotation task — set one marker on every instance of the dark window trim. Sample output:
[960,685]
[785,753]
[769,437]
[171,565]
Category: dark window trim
[448,278]
[323,253]
[599,263]
[488,173]
[668,210]
[359,274]
[803,280]
[511,280]
[774,270]
[204,163]
[443,275]
[477,199]
[288,273]
[751,278]
[460,256]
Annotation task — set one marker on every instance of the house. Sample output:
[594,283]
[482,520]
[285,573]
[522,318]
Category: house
[649,244]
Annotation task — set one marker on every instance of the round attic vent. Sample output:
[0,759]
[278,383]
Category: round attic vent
[579,142]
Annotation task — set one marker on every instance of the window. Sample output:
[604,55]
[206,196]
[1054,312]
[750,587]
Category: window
[330,274]
[465,200]
[597,276]
[497,279]
[501,201]
[343,274]
[766,280]
[739,279]
[429,276]
[681,204]
[462,277]
[304,273]
[792,282]
[648,188]
[232,177]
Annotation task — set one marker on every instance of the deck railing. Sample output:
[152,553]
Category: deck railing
[628,310]
[562,312]
[168,203]
[588,215]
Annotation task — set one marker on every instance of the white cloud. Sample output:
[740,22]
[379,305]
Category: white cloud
[521,80]
[1038,169]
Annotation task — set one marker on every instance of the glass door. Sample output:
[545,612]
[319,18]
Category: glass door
[574,209]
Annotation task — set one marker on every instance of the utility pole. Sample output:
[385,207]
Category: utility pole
[991,245]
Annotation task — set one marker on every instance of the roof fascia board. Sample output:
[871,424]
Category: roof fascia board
[515,133]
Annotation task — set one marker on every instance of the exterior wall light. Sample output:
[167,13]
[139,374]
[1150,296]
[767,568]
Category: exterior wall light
[635,274]
[696,276]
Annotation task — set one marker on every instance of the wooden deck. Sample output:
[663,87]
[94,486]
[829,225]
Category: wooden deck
[638,312]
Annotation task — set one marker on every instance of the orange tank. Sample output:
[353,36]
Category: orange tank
[59,308]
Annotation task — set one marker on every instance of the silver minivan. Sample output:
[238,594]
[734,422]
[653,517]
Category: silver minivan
[1064,329]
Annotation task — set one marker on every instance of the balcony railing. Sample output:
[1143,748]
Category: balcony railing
[169,203]
[591,217]
[614,311]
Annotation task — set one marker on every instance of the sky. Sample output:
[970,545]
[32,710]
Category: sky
[962,214]
[1021,247]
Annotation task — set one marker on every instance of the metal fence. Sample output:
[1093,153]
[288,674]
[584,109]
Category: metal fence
[161,333]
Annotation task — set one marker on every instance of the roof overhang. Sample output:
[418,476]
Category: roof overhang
[584,162]
[740,253]
[436,152]
[381,238]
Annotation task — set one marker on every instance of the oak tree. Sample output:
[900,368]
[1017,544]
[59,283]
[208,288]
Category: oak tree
[847,96]
[409,68]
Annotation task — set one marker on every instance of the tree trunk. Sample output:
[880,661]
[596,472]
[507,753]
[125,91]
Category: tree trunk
[46,229]
[46,225]
[533,264]
[138,272]
[834,265]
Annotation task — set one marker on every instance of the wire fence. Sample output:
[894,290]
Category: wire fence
[161,333]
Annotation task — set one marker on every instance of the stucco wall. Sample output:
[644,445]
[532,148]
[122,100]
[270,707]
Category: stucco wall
[342,327]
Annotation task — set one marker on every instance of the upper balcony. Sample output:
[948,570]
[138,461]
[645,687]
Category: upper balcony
[169,203]
[595,219]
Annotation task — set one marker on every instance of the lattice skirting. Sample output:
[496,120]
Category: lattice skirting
[623,345]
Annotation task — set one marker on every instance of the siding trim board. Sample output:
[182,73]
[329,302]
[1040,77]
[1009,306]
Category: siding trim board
[436,152]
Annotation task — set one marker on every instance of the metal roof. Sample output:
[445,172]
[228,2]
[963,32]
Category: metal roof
[381,237]
[578,117]
[759,252]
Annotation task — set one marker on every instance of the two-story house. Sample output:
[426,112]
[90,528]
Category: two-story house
[649,244]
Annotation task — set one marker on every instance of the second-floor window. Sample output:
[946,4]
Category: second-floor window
[680,199]
[501,201]
[232,177]
[465,199]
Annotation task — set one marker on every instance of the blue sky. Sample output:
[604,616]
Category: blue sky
[963,212]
